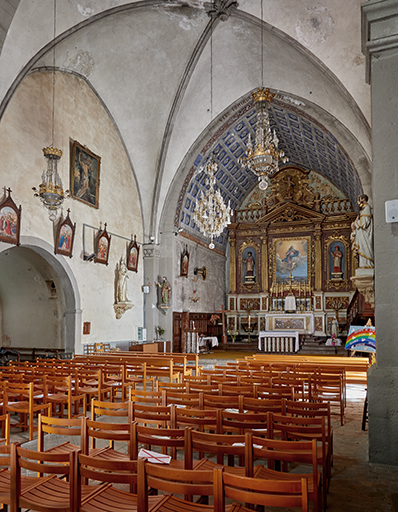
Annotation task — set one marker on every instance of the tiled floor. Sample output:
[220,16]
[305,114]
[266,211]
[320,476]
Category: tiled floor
[356,485]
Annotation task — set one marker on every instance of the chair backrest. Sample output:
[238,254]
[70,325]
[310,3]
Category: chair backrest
[169,440]
[259,491]
[262,405]
[181,398]
[61,427]
[98,430]
[162,416]
[170,480]
[111,409]
[221,401]
[242,422]
[5,425]
[199,419]
[220,445]
[147,397]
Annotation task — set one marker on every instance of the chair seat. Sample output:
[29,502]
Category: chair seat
[5,485]
[172,503]
[115,499]
[52,494]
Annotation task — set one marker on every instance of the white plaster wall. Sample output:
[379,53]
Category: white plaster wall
[33,317]
[211,292]
[24,130]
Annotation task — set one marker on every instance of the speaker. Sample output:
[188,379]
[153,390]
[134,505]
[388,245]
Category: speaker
[392,211]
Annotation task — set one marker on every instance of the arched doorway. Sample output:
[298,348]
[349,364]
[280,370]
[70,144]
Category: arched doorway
[39,298]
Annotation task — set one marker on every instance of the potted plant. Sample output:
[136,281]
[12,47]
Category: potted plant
[159,331]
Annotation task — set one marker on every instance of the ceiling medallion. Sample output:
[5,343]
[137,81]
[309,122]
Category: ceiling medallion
[262,156]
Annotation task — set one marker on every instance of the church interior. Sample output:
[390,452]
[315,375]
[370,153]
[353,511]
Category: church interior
[135,215]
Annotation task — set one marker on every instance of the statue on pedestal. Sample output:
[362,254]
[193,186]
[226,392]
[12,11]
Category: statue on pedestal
[362,234]
[122,303]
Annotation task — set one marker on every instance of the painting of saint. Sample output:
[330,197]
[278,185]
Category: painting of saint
[336,260]
[184,263]
[102,250]
[65,238]
[85,175]
[8,222]
[133,252]
[291,257]
[249,265]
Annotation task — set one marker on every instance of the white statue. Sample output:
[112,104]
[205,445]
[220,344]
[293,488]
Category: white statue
[362,234]
[121,286]
[334,327]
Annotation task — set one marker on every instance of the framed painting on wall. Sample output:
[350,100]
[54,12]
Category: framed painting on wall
[65,237]
[10,220]
[133,252]
[184,263]
[291,256]
[102,246]
[84,175]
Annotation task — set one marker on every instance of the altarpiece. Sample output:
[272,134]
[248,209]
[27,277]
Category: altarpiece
[290,259]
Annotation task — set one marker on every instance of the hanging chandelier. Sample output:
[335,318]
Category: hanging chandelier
[212,214]
[50,190]
[263,155]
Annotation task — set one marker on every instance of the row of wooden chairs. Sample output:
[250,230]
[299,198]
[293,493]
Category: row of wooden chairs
[50,491]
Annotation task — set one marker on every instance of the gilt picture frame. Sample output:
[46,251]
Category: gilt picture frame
[102,246]
[133,252]
[10,220]
[84,175]
[65,237]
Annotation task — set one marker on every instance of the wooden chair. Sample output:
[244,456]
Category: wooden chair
[287,452]
[270,493]
[71,398]
[147,397]
[48,493]
[25,408]
[296,428]
[221,402]
[90,383]
[204,420]
[109,497]
[174,481]
[220,445]
[182,399]
[161,416]
[309,410]
[329,388]
[100,408]
[107,434]
[5,428]
[242,422]
[51,426]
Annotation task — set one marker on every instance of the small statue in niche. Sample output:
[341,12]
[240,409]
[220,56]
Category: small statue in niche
[362,234]
[250,262]
[165,291]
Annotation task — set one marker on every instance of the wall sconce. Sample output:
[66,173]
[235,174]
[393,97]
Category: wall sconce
[201,272]
[195,297]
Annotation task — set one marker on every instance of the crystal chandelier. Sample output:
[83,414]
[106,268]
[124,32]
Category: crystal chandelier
[50,189]
[262,157]
[211,214]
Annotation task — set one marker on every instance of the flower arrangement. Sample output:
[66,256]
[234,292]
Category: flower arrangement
[214,318]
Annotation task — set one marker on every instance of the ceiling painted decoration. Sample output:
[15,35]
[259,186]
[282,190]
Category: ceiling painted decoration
[304,140]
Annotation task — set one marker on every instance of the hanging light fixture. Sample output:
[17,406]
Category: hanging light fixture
[50,190]
[212,215]
[262,156]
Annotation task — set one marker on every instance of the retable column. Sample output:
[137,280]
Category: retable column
[380,45]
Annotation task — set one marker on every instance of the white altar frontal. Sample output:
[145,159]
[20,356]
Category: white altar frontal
[303,323]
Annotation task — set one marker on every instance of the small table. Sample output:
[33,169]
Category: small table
[206,340]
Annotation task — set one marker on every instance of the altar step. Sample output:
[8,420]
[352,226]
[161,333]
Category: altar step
[310,345]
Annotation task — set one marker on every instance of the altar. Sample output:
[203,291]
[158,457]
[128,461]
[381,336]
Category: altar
[303,323]
[278,341]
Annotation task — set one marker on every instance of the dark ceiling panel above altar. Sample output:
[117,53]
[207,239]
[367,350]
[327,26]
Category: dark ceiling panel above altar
[305,142]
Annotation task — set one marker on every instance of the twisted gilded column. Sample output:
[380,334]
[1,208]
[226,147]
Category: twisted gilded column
[264,264]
